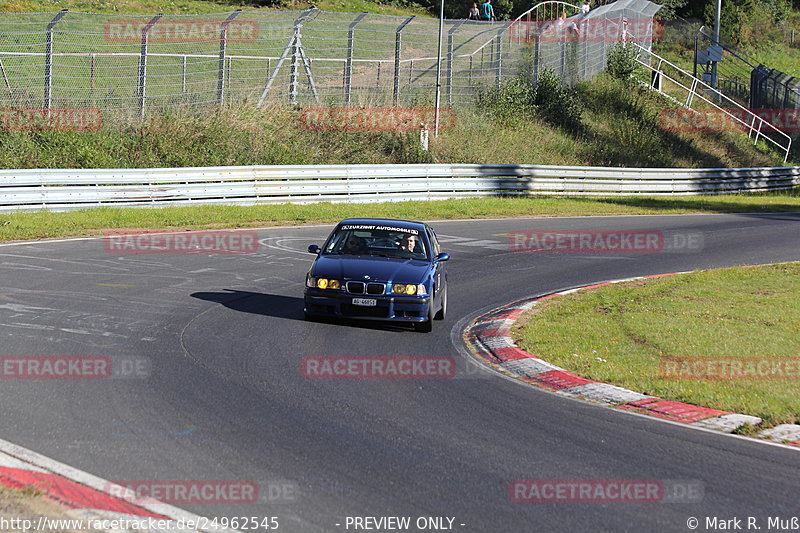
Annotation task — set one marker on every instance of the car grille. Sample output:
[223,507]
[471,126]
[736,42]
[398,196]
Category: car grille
[376,288]
[359,287]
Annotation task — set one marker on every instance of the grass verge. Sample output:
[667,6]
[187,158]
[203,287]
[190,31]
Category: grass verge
[44,224]
[629,331]
[618,125]
[197,7]
[30,504]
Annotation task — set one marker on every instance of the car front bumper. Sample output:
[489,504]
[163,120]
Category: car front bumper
[340,304]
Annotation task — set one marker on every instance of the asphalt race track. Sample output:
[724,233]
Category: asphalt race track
[224,398]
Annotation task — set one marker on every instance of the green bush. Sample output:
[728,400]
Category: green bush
[621,61]
[556,103]
[511,102]
[745,23]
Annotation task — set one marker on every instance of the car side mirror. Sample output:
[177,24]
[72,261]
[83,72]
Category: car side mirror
[314,249]
[444,256]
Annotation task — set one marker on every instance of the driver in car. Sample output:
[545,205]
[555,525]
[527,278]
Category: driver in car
[355,245]
[408,246]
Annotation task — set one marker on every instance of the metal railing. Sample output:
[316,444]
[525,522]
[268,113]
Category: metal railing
[61,190]
[756,127]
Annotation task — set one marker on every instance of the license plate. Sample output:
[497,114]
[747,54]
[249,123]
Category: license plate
[366,302]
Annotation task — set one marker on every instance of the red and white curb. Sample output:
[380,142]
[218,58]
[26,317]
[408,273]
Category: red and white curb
[86,496]
[489,338]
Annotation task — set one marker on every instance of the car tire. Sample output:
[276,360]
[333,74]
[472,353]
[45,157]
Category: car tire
[443,311]
[427,326]
[307,316]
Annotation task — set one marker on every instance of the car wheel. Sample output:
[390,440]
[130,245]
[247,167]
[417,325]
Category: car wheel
[443,311]
[427,326]
[307,316]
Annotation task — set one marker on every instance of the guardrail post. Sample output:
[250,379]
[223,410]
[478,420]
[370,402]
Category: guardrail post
[449,74]
[397,50]
[48,61]
[223,45]
[143,63]
[348,66]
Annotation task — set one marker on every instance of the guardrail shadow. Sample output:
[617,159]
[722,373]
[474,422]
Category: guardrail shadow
[751,208]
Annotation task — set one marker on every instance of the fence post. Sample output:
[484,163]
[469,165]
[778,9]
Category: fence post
[499,56]
[5,78]
[183,78]
[348,66]
[293,89]
[397,50]
[536,57]
[293,43]
[450,61]
[91,77]
[48,61]
[585,61]
[223,45]
[143,63]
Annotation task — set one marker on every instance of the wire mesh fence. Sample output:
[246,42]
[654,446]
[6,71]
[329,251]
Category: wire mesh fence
[140,64]
[576,47]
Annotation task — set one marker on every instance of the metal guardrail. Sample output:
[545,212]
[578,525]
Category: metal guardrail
[61,190]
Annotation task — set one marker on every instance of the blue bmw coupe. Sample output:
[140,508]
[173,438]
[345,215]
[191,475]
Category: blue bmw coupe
[379,269]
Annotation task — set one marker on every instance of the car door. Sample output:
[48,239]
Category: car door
[439,268]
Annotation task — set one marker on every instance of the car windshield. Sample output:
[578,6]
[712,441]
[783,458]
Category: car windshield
[377,240]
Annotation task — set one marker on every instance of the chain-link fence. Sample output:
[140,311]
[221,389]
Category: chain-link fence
[138,64]
[778,93]
[576,47]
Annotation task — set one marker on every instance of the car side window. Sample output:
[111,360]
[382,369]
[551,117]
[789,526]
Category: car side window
[434,242]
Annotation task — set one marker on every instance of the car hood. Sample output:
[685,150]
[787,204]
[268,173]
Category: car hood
[348,267]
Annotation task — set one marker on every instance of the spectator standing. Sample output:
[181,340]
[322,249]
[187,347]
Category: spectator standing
[585,7]
[474,12]
[487,11]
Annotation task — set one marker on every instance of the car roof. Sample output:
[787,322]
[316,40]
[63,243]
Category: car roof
[386,222]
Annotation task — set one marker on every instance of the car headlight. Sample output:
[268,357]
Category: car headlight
[402,288]
[409,289]
[323,283]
